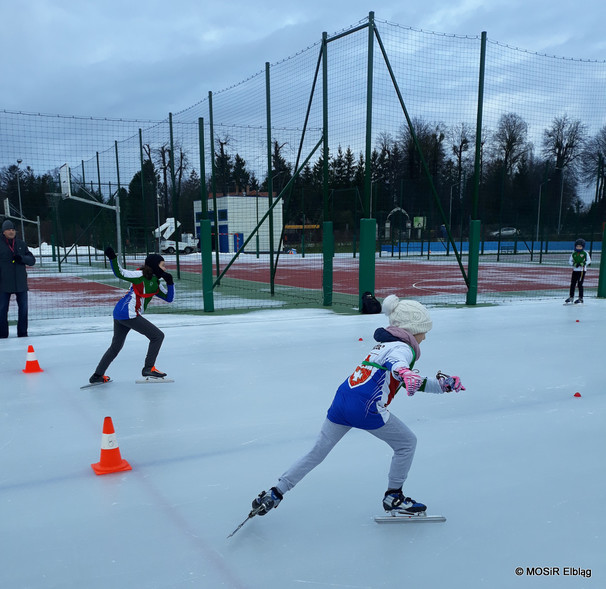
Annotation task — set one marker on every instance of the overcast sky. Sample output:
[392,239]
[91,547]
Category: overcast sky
[141,60]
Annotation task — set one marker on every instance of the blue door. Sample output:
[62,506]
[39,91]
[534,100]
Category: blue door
[223,239]
[238,241]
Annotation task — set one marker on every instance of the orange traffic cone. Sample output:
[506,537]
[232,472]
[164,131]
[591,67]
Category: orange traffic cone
[110,460]
[31,364]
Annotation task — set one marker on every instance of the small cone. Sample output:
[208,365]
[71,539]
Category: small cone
[111,460]
[577,394]
[31,363]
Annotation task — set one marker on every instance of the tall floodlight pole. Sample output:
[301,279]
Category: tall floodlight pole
[19,193]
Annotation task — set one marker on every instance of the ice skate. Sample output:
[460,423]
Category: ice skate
[266,501]
[96,380]
[568,300]
[152,372]
[99,379]
[395,501]
[153,375]
[579,300]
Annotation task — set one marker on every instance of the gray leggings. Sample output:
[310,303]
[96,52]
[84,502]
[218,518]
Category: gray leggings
[121,329]
[394,432]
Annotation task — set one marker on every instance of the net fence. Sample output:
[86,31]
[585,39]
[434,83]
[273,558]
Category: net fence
[147,185]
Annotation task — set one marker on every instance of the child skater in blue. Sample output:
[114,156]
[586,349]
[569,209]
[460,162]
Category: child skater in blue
[579,260]
[128,312]
[363,402]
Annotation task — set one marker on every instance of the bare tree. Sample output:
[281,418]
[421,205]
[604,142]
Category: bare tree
[593,163]
[510,141]
[563,142]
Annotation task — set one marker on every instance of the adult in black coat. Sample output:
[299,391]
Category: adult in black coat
[14,256]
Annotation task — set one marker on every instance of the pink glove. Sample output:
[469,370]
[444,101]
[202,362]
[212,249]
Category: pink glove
[411,380]
[449,383]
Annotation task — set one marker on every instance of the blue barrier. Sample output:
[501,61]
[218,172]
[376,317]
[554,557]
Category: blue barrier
[507,247]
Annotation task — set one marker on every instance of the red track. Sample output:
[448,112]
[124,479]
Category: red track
[405,277]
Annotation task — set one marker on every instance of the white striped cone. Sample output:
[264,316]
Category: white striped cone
[111,460]
[31,362]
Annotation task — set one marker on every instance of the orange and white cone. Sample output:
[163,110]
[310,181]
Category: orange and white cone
[31,363]
[111,460]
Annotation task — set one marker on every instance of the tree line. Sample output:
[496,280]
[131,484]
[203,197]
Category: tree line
[515,175]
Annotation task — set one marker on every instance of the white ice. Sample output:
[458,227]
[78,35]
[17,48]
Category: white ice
[515,463]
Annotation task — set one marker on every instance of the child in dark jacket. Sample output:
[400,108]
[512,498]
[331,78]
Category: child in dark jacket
[363,401]
[128,312]
[579,260]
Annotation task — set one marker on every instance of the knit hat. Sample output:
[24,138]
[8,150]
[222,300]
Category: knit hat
[8,224]
[409,315]
[153,261]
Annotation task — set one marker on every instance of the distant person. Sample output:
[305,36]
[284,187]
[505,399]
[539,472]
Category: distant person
[579,260]
[364,399]
[14,256]
[128,312]
[443,232]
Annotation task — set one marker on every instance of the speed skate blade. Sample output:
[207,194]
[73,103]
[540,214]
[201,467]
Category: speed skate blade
[153,379]
[404,518]
[95,384]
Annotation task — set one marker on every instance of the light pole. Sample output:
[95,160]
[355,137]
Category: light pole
[561,198]
[19,193]
[539,207]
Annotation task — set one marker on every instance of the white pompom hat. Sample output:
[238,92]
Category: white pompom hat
[408,315]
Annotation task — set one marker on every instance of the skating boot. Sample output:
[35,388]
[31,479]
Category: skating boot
[267,500]
[152,372]
[395,500]
[98,379]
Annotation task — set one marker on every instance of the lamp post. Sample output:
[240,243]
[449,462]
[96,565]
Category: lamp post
[561,199]
[539,207]
[19,193]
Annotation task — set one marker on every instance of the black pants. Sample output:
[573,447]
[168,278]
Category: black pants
[121,329]
[577,278]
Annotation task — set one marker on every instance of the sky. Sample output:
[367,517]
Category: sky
[142,60]
[514,462]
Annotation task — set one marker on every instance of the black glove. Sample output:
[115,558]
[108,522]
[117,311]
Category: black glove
[168,278]
[17,259]
[110,253]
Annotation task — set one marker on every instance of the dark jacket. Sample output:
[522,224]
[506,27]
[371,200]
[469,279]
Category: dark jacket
[13,275]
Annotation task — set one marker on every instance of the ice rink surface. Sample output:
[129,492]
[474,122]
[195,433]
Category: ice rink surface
[515,463]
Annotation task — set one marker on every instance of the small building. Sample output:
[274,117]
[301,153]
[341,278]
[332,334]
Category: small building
[238,216]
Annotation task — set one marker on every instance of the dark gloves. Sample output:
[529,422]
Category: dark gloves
[17,259]
[110,253]
[168,278]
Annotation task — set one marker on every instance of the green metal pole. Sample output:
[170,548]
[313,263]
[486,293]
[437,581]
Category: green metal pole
[117,200]
[206,243]
[98,175]
[173,191]
[369,79]
[475,224]
[270,184]
[213,180]
[143,204]
[602,277]
[328,243]
[203,190]
[368,225]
